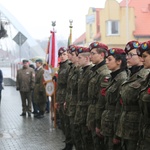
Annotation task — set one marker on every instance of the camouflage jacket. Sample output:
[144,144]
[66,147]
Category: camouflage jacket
[112,110]
[68,90]
[98,81]
[62,82]
[144,102]
[82,105]
[39,90]
[129,120]
[25,80]
[74,91]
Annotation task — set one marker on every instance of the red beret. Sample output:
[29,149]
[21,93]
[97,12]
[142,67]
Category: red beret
[62,50]
[131,45]
[73,48]
[145,46]
[114,51]
[98,45]
[83,50]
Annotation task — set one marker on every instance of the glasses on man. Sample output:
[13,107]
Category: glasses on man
[130,55]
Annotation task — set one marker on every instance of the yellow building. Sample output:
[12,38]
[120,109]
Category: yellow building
[117,23]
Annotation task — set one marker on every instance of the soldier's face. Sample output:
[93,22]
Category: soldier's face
[74,57]
[25,64]
[96,58]
[69,56]
[82,60]
[132,58]
[112,63]
[63,57]
[146,60]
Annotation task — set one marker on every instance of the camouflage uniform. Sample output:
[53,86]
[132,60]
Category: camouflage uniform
[82,107]
[40,96]
[67,99]
[25,84]
[98,81]
[129,120]
[72,107]
[112,110]
[144,102]
[61,90]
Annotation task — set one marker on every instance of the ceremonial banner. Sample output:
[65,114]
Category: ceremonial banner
[50,72]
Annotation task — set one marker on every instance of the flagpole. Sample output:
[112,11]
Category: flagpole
[54,95]
[70,36]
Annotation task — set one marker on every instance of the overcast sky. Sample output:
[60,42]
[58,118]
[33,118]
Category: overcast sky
[36,15]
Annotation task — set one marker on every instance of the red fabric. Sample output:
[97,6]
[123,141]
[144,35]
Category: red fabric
[103,91]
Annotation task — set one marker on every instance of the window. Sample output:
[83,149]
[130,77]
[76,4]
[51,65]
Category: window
[112,27]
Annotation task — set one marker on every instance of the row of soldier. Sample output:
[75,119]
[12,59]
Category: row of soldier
[103,96]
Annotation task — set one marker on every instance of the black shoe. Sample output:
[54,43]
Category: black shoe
[68,147]
[29,114]
[36,115]
[34,112]
[23,114]
[40,116]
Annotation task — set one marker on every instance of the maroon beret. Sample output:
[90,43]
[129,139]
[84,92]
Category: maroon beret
[73,48]
[83,50]
[131,45]
[114,51]
[98,45]
[144,46]
[62,50]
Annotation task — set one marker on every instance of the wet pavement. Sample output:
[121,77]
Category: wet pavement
[25,133]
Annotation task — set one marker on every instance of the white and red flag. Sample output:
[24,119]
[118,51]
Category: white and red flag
[52,51]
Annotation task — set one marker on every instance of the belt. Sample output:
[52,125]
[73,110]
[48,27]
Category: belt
[131,108]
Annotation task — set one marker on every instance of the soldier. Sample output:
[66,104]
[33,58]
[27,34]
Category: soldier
[62,85]
[25,84]
[68,140]
[40,97]
[73,86]
[144,99]
[128,123]
[116,62]
[98,82]
[82,104]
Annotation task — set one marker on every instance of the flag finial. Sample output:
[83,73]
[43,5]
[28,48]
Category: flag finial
[71,21]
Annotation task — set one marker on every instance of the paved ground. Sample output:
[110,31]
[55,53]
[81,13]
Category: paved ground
[25,133]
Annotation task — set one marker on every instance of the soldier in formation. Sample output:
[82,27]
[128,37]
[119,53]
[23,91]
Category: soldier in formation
[116,62]
[106,92]
[144,99]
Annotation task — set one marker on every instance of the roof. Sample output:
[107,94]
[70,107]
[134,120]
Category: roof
[142,15]
[80,40]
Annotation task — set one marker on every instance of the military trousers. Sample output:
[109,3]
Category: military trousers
[75,134]
[67,130]
[143,145]
[108,141]
[129,144]
[86,135]
[41,106]
[26,101]
[61,113]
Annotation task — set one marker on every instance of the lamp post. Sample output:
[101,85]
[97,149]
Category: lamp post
[127,22]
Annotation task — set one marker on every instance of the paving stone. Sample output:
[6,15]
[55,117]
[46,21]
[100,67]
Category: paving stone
[25,133]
